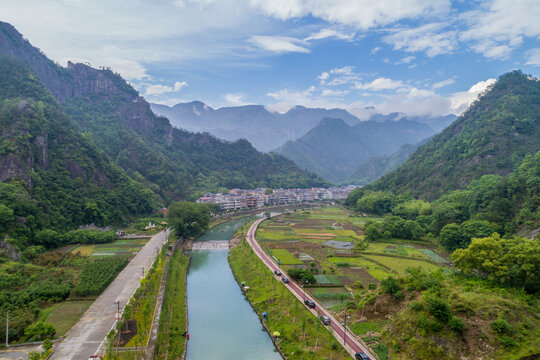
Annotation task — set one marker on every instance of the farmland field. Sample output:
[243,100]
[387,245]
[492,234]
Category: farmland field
[122,247]
[399,265]
[285,257]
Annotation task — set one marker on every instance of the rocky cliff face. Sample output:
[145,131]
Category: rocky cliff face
[54,77]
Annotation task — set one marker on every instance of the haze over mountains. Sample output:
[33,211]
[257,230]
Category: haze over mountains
[331,143]
[265,129]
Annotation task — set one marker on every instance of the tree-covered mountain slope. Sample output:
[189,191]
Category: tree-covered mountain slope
[491,137]
[334,149]
[174,163]
[375,167]
[52,175]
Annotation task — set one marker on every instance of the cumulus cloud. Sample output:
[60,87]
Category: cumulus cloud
[162,89]
[379,84]
[235,99]
[460,101]
[279,44]
[495,30]
[433,39]
[362,14]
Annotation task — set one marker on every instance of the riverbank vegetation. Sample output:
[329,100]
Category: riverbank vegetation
[173,319]
[302,336]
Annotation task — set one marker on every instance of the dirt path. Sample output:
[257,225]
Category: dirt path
[88,334]
[351,344]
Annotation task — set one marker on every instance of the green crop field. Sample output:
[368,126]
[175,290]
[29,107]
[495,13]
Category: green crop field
[373,269]
[399,265]
[285,257]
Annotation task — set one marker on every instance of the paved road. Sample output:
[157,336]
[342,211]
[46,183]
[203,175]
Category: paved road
[352,345]
[19,353]
[87,335]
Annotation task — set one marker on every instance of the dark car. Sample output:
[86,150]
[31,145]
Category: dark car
[277,272]
[285,280]
[361,356]
[310,303]
[325,319]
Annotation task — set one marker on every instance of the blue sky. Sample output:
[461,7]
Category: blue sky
[414,56]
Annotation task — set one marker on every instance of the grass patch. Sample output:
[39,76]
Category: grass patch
[64,315]
[361,328]
[302,334]
[173,319]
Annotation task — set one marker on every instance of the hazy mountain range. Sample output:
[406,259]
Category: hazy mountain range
[331,143]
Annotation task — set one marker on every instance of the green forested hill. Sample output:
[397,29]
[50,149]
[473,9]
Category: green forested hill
[375,167]
[334,150]
[491,137]
[175,164]
[52,175]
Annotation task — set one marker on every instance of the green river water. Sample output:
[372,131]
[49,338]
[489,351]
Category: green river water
[222,324]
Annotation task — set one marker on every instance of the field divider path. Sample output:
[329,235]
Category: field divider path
[352,344]
[87,336]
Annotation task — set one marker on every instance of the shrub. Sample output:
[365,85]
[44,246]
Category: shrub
[507,342]
[342,264]
[39,331]
[457,325]
[429,325]
[391,286]
[417,306]
[372,286]
[439,309]
[302,276]
[501,326]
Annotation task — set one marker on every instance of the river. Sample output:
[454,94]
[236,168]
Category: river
[222,323]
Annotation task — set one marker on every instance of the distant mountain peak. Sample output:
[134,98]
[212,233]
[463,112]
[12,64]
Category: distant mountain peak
[332,122]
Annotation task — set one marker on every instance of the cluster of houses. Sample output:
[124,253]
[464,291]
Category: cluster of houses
[258,198]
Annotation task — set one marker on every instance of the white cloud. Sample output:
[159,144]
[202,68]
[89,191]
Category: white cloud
[159,89]
[362,14]
[235,99]
[339,76]
[533,57]
[433,39]
[495,30]
[379,84]
[406,60]
[179,85]
[336,93]
[443,83]
[324,76]
[375,50]
[330,33]
[279,44]
[460,101]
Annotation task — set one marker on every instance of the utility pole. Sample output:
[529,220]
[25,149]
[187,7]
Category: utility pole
[345,328]
[7,328]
